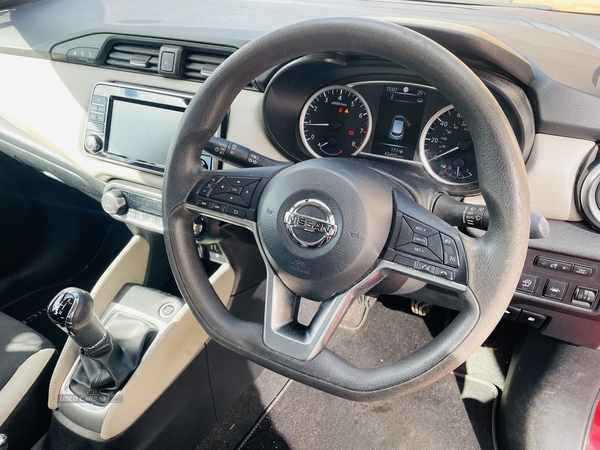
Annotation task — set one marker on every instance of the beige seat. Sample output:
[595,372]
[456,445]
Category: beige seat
[26,362]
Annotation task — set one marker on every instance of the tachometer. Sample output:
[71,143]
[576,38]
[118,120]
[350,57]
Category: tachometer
[335,121]
[446,148]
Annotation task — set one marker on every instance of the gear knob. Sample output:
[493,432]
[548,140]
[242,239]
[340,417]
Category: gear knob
[72,310]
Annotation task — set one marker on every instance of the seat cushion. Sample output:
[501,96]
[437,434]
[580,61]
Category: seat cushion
[18,342]
[26,362]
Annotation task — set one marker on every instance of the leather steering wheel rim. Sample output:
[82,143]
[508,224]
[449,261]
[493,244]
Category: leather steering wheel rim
[494,260]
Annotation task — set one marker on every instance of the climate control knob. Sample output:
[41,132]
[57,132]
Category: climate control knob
[93,143]
[114,202]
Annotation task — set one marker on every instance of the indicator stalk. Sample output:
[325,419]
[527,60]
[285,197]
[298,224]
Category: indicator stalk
[237,155]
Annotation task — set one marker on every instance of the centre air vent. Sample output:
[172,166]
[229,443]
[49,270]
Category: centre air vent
[140,58]
[199,65]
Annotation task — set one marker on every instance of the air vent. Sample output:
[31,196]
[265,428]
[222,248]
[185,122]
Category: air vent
[198,66]
[140,58]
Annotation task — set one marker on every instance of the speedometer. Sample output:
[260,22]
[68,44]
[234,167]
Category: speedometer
[335,121]
[446,148]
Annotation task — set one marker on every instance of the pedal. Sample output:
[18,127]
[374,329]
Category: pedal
[420,308]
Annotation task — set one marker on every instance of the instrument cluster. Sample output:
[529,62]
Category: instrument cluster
[314,108]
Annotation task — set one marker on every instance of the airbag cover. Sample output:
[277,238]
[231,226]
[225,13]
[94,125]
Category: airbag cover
[360,202]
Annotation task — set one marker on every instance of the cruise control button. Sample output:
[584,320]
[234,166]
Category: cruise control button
[527,283]
[406,234]
[425,267]
[420,228]
[444,273]
[434,243]
[418,250]
[451,260]
[418,239]
[447,240]
[555,289]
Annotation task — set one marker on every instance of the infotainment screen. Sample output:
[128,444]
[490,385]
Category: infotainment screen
[141,132]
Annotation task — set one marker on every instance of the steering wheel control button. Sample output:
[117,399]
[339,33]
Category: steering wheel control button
[444,273]
[421,228]
[418,250]
[420,240]
[234,181]
[584,296]
[527,283]
[553,265]
[426,267]
[451,260]
[167,310]
[220,188]
[555,289]
[237,190]
[584,271]
[534,319]
[511,313]
[404,261]
[217,207]
[248,191]
[434,243]
[237,212]
[406,234]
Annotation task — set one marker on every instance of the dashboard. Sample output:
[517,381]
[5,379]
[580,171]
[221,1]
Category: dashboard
[543,67]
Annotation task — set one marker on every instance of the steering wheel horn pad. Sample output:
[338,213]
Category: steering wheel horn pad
[360,201]
[494,260]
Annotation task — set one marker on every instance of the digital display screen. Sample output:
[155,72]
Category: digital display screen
[399,121]
[142,132]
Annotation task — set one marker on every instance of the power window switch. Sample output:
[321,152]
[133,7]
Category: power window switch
[534,319]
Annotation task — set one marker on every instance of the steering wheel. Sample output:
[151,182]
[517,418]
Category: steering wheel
[331,229]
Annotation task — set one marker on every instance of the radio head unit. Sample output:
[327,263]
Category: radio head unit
[133,125]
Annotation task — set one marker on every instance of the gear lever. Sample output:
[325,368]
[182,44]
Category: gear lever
[109,355]
[73,311]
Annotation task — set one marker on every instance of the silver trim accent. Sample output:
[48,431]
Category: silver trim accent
[421,149]
[154,223]
[314,96]
[281,333]
[589,190]
[293,219]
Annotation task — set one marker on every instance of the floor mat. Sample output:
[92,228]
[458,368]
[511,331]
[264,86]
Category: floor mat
[31,310]
[457,412]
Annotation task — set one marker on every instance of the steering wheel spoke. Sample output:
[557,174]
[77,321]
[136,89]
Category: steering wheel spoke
[231,195]
[426,248]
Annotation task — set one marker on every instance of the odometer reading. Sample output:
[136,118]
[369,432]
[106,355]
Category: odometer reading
[335,121]
[446,148]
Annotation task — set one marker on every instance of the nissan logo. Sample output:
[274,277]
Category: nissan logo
[302,224]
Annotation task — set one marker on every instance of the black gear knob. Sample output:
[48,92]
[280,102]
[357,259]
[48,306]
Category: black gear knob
[72,310]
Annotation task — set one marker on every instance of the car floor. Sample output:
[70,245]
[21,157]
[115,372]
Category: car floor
[457,412]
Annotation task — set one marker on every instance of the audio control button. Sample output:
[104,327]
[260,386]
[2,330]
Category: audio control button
[93,143]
